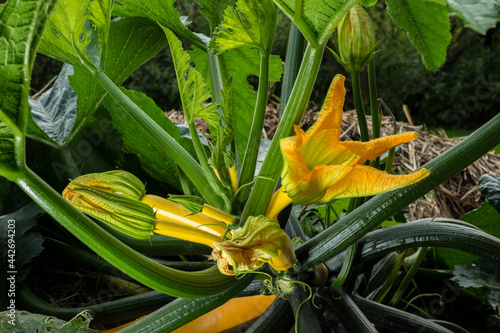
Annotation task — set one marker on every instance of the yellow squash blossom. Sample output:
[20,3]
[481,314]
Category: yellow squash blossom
[118,199]
[259,241]
[318,167]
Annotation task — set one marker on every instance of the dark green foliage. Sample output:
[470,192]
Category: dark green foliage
[461,93]
[157,79]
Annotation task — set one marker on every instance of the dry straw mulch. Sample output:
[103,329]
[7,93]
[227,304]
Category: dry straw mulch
[453,198]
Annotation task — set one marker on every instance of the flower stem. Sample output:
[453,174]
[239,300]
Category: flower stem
[360,109]
[372,83]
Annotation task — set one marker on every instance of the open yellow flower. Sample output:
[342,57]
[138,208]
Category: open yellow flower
[318,167]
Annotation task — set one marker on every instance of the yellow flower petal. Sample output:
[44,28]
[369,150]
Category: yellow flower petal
[372,149]
[330,116]
[186,232]
[171,211]
[314,183]
[366,181]
[325,148]
[286,257]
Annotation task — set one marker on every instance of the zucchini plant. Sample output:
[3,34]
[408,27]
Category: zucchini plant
[225,194]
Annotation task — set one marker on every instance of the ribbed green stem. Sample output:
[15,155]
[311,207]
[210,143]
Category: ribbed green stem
[360,108]
[372,84]
[71,165]
[421,234]
[366,217]
[408,277]
[353,319]
[184,181]
[252,149]
[161,278]
[391,277]
[294,52]
[346,268]
[396,320]
[263,189]
[186,162]
[216,84]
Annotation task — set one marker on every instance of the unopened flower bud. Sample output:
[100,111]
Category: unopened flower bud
[113,198]
[356,39]
[115,181]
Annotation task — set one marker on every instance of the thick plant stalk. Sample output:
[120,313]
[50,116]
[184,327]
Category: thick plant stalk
[252,150]
[395,319]
[112,311]
[353,319]
[422,234]
[372,85]
[294,52]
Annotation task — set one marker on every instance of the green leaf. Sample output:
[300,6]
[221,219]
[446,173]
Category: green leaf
[487,219]
[312,16]
[55,111]
[192,87]
[427,25]
[161,12]
[477,275]
[239,64]
[74,25]
[223,156]
[19,243]
[490,188]
[137,141]
[194,96]
[131,43]
[213,10]
[367,3]
[21,23]
[483,277]
[25,322]
[6,144]
[250,24]
[477,15]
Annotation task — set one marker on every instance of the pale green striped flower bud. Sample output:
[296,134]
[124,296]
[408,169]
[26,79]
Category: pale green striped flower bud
[357,42]
[113,198]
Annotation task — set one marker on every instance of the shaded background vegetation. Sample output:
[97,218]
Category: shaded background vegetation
[460,95]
